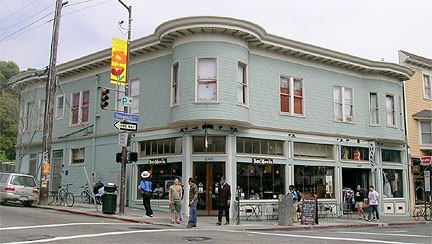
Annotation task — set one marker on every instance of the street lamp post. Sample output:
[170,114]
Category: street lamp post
[126,110]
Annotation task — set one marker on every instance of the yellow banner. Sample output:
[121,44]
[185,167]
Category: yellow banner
[118,62]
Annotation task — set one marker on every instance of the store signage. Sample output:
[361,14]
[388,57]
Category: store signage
[426,160]
[427,180]
[262,161]
[158,161]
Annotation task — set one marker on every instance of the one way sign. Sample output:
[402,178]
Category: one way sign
[124,125]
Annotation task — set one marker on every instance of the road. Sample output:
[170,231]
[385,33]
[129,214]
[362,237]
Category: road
[34,225]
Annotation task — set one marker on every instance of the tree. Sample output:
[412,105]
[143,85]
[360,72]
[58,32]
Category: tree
[9,110]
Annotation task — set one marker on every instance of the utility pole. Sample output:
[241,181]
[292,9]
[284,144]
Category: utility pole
[48,118]
[126,110]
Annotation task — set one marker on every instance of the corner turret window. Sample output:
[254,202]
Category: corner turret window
[207,87]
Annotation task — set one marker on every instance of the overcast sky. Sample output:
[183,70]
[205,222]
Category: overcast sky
[371,29]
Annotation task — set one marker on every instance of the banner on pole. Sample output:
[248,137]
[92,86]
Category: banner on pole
[119,62]
[372,149]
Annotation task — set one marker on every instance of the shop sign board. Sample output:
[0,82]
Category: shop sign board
[309,208]
[426,160]
[262,161]
[158,161]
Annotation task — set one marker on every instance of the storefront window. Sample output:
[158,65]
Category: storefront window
[313,150]
[392,183]
[354,153]
[391,156]
[314,180]
[162,177]
[259,146]
[208,144]
[172,146]
[260,181]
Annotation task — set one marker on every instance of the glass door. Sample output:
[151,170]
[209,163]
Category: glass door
[207,176]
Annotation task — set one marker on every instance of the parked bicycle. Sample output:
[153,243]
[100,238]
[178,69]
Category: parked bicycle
[423,211]
[87,195]
[64,196]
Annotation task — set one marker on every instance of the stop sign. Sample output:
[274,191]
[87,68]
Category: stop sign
[426,160]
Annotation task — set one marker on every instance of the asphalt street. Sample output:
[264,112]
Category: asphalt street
[34,225]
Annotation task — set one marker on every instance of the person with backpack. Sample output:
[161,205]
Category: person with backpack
[296,200]
[145,187]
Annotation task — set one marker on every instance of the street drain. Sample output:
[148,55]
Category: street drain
[196,238]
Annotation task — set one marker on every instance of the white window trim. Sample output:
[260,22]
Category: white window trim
[71,156]
[172,102]
[378,108]
[57,117]
[401,113]
[424,87]
[292,95]
[246,84]
[420,137]
[394,112]
[344,117]
[80,107]
[217,80]
[27,123]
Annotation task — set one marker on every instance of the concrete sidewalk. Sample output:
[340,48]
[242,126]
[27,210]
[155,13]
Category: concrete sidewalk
[209,222]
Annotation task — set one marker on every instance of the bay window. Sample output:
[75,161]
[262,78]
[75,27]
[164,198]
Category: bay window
[207,80]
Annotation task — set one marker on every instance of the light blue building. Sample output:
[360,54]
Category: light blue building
[219,96]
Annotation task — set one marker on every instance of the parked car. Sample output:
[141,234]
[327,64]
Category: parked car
[18,188]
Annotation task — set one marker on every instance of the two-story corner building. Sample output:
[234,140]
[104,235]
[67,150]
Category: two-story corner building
[418,95]
[220,96]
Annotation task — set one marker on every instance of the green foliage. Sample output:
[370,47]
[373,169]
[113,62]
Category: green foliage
[8,112]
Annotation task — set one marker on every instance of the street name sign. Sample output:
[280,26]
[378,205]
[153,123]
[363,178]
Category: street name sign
[124,125]
[126,117]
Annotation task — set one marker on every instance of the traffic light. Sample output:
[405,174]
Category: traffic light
[104,98]
[119,157]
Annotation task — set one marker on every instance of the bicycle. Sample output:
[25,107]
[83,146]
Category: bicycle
[86,194]
[423,211]
[64,196]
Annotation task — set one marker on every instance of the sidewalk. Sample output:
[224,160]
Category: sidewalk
[207,222]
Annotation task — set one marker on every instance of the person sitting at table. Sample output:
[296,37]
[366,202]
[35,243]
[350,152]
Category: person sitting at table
[253,195]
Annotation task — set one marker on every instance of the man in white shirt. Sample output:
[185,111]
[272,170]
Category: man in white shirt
[373,204]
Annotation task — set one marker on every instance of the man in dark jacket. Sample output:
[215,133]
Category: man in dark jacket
[224,200]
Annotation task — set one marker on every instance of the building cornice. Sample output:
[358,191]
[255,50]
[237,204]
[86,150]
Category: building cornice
[255,36]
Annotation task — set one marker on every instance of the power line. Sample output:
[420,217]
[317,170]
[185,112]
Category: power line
[85,7]
[27,18]
[18,11]
[25,27]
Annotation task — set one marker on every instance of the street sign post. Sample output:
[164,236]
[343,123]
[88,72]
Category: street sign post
[124,125]
[127,101]
[123,138]
[127,117]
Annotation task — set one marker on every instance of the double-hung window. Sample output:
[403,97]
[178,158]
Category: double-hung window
[28,116]
[427,88]
[80,107]
[390,111]
[291,95]
[242,84]
[207,86]
[426,133]
[373,109]
[59,111]
[343,104]
[41,114]
[77,156]
[175,85]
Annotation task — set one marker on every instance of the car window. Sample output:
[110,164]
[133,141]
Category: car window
[4,178]
[23,180]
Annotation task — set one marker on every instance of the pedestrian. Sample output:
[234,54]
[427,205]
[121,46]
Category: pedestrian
[296,199]
[174,196]
[145,187]
[193,202]
[224,200]
[359,202]
[373,204]
[181,209]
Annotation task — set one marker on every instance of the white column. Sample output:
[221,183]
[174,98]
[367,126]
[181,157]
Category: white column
[187,141]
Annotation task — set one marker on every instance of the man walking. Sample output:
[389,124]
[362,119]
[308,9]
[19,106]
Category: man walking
[373,204]
[175,196]
[146,192]
[224,200]
[193,202]
[359,199]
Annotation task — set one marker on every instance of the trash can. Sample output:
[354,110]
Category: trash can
[285,210]
[109,200]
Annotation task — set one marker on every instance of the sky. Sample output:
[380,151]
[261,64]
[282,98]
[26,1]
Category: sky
[371,29]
